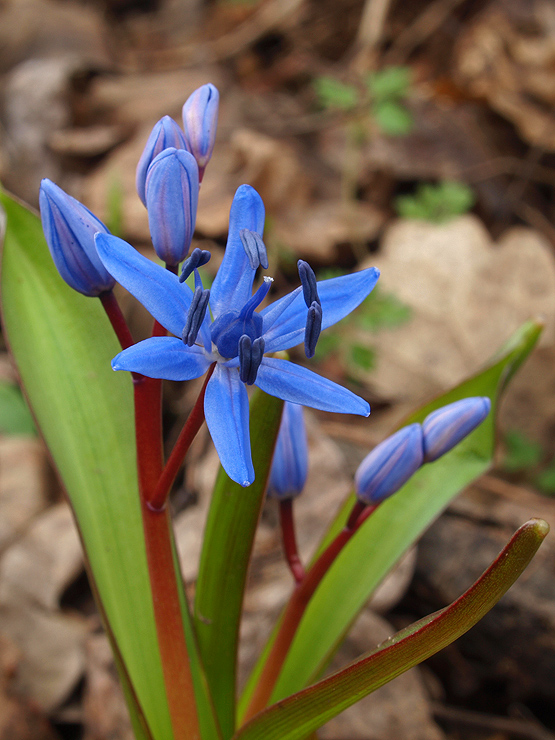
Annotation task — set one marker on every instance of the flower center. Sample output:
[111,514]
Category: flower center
[229,327]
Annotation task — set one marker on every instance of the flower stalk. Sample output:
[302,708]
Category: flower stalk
[163,578]
[296,607]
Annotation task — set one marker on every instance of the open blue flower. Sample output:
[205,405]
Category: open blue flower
[235,337]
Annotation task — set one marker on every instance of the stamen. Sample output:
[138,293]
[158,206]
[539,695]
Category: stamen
[253,302]
[255,248]
[308,281]
[313,328]
[195,316]
[250,357]
[197,258]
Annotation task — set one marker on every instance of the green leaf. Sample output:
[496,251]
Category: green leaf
[394,526]
[15,417]
[393,119]
[228,539]
[335,94]
[391,83]
[295,717]
[63,344]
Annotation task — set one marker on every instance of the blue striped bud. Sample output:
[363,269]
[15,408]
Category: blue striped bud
[446,427]
[165,134]
[69,228]
[171,201]
[200,121]
[389,465]
[290,464]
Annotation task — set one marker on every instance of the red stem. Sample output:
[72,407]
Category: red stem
[289,540]
[296,607]
[163,578]
[188,433]
[113,311]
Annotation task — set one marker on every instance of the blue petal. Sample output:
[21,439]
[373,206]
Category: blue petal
[226,408]
[163,357]
[157,289]
[232,286]
[297,384]
[339,296]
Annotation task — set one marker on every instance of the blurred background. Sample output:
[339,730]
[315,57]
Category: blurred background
[417,136]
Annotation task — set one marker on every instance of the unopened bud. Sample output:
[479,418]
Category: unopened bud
[389,465]
[69,228]
[290,464]
[165,134]
[171,201]
[200,121]
[446,427]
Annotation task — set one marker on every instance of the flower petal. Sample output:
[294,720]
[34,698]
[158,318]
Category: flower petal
[232,286]
[226,408]
[339,296]
[297,384]
[163,357]
[157,289]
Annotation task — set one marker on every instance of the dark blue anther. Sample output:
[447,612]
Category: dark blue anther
[195,316]
[308,281]
[313,328]
[255,248]
[250,357]
[197,258]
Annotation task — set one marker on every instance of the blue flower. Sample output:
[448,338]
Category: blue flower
[237,337]
[290,463]
[70,228]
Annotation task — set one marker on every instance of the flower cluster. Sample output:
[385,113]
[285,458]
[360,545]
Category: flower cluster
[221,329]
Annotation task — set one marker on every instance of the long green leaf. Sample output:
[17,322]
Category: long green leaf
[63,344]
[297,716]
[227,546]
[391,530]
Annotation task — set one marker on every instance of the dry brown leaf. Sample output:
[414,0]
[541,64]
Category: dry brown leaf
[23,485]
[34,571]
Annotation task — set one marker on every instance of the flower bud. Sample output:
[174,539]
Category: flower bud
[165,134]
[389,465]
[69,228]
[446,427]
[290,463]
[171,201]
[200,121]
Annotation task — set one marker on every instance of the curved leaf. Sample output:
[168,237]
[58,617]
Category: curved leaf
[393,527]
[297,716]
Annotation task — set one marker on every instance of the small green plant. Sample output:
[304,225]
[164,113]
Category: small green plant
[381,95]
[527,459]
[382,312]
[521,452]
[436,203]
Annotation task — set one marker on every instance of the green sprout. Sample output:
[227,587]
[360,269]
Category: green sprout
[436,203]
